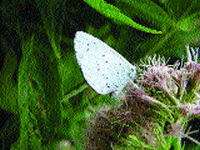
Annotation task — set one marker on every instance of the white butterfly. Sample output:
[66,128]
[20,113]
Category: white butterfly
[104,69]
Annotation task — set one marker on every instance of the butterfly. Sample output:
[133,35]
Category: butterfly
[103,68]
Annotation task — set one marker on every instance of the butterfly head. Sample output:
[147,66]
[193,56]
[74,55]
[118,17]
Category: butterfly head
[132,73]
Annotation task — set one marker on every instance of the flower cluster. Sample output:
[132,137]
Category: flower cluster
[157,106]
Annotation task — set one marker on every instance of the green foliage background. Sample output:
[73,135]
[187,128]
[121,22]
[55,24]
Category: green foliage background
[50,94]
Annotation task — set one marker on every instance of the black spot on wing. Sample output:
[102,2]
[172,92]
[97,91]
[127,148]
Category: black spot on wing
[116,86]
[108,86]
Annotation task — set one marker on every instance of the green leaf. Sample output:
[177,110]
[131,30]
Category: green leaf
[114,13]
[40,93]
[8,90]
[30,137]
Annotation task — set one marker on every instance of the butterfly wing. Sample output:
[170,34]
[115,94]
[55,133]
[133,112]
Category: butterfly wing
[104,69]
